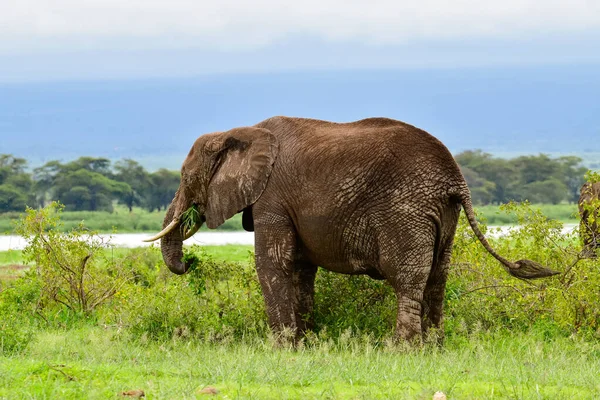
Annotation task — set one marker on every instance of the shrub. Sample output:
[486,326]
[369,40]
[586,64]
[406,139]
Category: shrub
[71,266]
[353,303]
[480,295]
[18,304]
[214,301]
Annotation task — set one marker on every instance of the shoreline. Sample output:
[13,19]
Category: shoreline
[213,238]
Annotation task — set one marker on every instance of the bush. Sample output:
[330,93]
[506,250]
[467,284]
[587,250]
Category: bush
[214,301]
[18,305]
[480,295]
[72,266]
[353,303]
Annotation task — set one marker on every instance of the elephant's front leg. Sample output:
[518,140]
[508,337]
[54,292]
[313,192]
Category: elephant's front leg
[275,252]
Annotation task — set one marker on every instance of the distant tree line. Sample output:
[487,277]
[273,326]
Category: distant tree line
[539,179]
[94,184]
[86,184]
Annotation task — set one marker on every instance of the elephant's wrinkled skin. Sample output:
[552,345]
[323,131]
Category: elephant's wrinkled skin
[589,211]
[376,197]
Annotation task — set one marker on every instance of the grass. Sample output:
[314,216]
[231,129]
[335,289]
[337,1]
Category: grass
[10,265]
[231,253]
[11,257]
[92,362]
[121,220]
[566,213]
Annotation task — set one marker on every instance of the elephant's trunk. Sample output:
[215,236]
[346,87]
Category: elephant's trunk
[171,245]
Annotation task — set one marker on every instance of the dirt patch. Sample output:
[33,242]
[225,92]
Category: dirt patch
[12,271]
[14,267]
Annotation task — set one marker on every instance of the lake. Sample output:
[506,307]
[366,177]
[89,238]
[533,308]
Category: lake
[130,240]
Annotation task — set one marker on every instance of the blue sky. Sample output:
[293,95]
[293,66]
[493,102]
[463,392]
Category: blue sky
[48,40]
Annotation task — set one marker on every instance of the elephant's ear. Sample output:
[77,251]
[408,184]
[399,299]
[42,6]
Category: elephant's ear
[243,164]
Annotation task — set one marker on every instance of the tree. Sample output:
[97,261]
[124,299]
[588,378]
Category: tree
[535,178]
[496,170]
[138,179]
[86,190]
[92,164]
[44,178]
[482,190]
[164,184]
[10,165]
[12,199]
[15,184]
[550,191]
[573,175]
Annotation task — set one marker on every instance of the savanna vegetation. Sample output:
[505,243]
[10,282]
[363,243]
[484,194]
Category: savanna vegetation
[126,197]
[89,321]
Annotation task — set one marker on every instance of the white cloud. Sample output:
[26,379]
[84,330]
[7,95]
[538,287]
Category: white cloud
[31,25]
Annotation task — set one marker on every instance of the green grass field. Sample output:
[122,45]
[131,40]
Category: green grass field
[566,213]
[96,363]
[231,253]
[139,220]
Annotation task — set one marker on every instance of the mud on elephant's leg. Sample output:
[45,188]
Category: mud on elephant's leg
[304,295]
[275,249]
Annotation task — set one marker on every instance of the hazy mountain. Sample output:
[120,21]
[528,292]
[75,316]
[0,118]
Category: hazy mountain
[502,111]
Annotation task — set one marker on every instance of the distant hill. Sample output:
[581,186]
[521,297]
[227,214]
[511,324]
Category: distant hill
[503,111]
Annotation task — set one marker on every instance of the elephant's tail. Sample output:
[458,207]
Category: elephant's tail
[526,269]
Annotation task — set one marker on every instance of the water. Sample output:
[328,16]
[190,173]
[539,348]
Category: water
[131,240]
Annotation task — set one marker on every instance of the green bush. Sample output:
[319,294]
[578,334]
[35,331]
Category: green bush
[353,303]
[480,295]
[18,305]
[214,301]
[71,266]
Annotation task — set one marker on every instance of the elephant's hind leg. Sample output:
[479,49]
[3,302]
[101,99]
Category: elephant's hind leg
[433,299]
[304,295]
[406,267]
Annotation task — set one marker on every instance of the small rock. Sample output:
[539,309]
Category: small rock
[208,390]
[134,393]
[439,396]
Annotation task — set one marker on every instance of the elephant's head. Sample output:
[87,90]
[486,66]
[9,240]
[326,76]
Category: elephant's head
[223,173]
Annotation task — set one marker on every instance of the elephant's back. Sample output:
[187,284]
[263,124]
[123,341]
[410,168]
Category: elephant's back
[322,155]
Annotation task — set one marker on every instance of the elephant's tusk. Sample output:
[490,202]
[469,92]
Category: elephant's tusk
[191,232]
[165,231]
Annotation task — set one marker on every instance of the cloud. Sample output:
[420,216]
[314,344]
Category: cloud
[28,26]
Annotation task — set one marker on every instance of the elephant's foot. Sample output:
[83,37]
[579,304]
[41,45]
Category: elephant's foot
[408,321]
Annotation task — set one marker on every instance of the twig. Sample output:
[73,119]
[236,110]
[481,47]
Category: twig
[495,287]
[56,368]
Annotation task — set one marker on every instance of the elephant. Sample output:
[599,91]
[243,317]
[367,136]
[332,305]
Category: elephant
[589,211]
[377,197]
